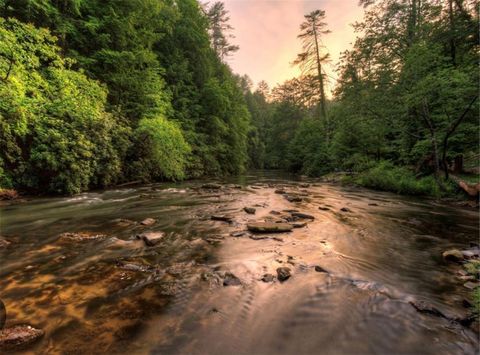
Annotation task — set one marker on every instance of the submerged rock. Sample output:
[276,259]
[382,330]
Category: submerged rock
[302,215]
[299,225]
[283,273]
[81,236]
[320,269]
[250,210]
[324,208]
[222,217]
[151,238]
[4,242]
[211,186]
[280,191]
[454,255]
[268,278]
[293,198]
[19,336]
[231,280]
[268,227]
[239,234]
[424,307]
[345,209]
[134,266]
[148,222]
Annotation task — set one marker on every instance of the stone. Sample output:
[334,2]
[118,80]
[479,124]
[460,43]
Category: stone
[471,285]
[283,273]
[258,237]
[320,269]
[148,222]
[211,186]
[454,255]
[324,208]
[268,278]
[275,213]
[304,185]
[231,280]
[268,227]
[373,204]
[81,236]
[250,210]
[280,191]
[222,218]
[151,238]
[134,266]
[345,209]
[423,307]
[19,336]
[239,234]
[4,242]
[302,215]
[299,225]
[293,198]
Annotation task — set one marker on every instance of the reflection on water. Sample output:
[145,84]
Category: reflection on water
[114,294]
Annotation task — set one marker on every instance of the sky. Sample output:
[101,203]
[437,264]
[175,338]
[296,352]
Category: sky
[266,31]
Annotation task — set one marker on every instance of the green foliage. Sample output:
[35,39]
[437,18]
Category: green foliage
[161,150]
[387,177]
[476,301]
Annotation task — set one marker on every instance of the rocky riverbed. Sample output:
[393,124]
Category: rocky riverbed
[259,264]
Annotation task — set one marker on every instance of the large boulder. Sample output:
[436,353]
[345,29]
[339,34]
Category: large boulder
[19,336]
[269,227]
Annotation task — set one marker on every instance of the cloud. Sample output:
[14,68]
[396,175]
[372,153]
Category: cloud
[266,31]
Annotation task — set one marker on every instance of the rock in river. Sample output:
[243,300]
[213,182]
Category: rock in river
[152,238]
[283,273]
[345,209]
[148,222]
[3,314]
[231,280]
[81,236]
[222,217]
[249,210]
[302,215]
[212,186]
[19,336]
[268,227]
[268,278]
[4,243]
[320,269]
[454,255]
[293,198]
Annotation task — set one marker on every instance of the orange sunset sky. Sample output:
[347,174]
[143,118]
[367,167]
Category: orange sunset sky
[266,31]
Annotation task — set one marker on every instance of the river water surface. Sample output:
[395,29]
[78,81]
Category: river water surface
[117,295]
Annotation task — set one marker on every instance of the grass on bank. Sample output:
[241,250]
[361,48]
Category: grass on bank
[387,177]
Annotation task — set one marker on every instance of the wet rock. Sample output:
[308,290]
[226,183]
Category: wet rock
[278,239]
[471,253]
[148,222]
[19,336]
[373,204]
[299,225]
[211,186]
[345,209]
[283,273]
[4,242]
[275,213]
[424,307]
[320,269]
[255,187]
[268,227]
[291,211]
[302,215]
[81,237]
[304,185]
[231,280]
[268,278]
[293,198]
[151,238]
[250,210]
[239,234]
[471,285]
[324,208]
[123,222]
[3,314]
[222,217]
[280,191]
[134,266]
[454,255]
[258,237]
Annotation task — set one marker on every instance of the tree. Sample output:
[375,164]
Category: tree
[219,30]
[312,58]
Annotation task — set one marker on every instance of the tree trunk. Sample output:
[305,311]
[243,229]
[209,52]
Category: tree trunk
[452,32]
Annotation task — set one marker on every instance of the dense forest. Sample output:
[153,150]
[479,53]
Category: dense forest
[96,93]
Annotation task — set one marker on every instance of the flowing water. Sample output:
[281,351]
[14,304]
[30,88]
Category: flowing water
[117,295]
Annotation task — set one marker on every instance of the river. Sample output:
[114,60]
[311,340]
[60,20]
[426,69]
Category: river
[116,295]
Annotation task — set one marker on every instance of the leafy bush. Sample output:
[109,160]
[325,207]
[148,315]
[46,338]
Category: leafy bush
[387,177]
[161,150]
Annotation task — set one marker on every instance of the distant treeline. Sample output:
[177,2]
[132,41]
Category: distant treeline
[406,96]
